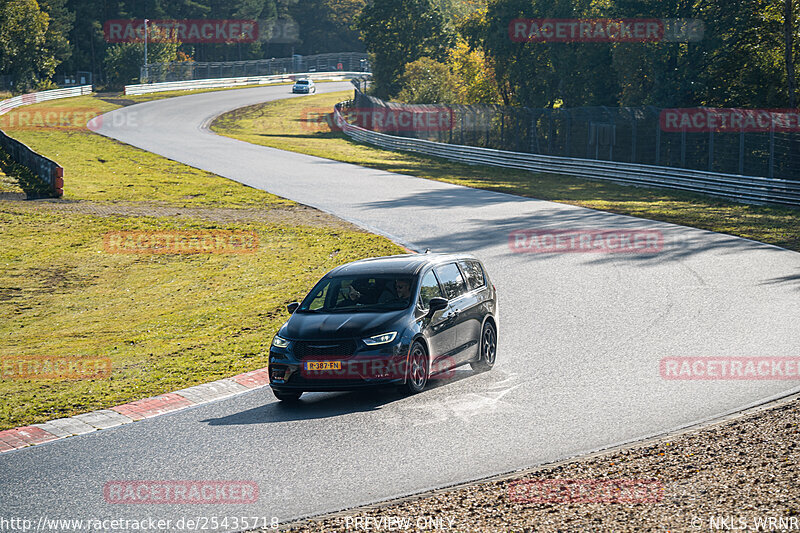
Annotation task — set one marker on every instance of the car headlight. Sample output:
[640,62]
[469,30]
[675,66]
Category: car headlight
[383,338]
[279,342]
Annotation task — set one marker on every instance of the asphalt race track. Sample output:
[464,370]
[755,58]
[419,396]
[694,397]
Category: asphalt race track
[581,337]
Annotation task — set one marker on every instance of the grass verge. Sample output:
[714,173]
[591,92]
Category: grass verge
[165,321]
[295,125]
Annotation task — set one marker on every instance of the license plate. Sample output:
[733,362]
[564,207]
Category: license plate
[323,365]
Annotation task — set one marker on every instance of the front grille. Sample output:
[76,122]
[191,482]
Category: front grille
[324,349]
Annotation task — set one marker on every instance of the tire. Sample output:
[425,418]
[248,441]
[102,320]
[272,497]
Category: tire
[287,396]
[488,349]
[418,369]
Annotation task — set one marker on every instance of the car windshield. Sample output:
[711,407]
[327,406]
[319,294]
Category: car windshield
[365,293]
[302,82]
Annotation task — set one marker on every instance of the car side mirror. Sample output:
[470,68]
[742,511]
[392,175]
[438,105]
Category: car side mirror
[292,307]
[437,304]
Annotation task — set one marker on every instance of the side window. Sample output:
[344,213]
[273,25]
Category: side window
[474,274]
[452,281]
[429,288]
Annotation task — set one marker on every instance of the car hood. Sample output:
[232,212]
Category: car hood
[309,326]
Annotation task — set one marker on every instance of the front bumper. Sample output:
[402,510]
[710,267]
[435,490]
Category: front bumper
[368,367]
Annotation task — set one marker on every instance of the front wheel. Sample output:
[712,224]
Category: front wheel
[287,396]
[488,352]
[418,369]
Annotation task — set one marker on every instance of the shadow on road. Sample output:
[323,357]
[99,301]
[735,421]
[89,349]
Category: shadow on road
[792,279]
[314,406]
[679,242]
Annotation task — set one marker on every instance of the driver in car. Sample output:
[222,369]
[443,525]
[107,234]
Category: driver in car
[401,292]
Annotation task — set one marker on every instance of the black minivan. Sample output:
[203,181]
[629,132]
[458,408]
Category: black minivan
[387,321]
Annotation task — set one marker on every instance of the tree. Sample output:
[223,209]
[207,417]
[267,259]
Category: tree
[328,25]
[58,29]
[398,32]
[543,74]
[664,73]
[475,73]
[23,44]
[788,15]
[426,81]
[742,48]
[123,61]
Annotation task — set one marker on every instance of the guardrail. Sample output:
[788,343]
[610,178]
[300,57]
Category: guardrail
[215,83]
[46,169]
[746,189]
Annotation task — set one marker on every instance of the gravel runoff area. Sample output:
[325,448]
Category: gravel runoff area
[739,474]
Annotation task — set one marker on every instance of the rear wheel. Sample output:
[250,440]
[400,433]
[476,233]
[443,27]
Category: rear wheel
[418,369]
[488,349]
[287,396]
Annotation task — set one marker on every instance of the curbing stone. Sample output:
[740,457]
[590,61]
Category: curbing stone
[215,390]
[71,426]
[103,419]
[54,429]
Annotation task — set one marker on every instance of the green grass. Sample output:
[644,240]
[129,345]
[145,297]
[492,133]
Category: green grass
[165,321]
[286,125]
